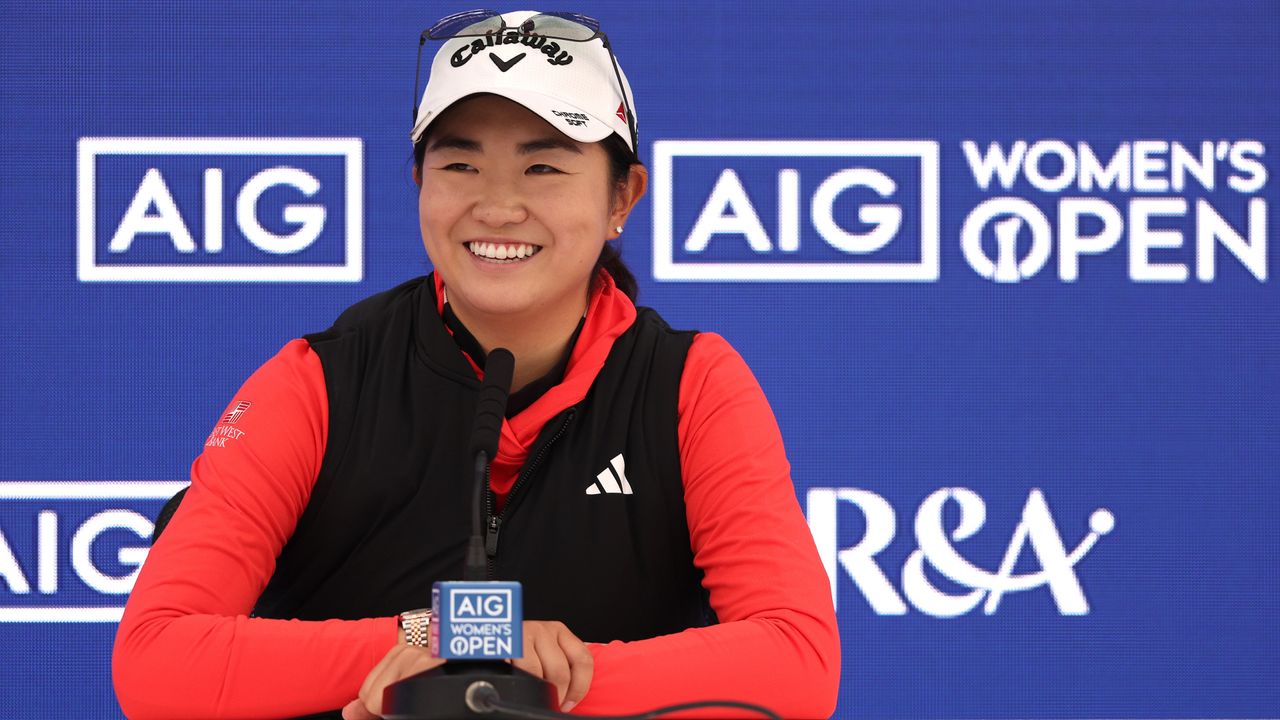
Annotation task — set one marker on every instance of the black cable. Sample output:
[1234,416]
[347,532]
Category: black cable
[489,699]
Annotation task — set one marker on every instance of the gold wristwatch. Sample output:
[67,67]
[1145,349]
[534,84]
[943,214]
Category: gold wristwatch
[416,625]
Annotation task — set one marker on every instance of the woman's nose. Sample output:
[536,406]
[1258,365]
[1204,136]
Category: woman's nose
[500,205]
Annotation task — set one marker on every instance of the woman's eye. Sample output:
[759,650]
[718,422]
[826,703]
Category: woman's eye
[541,169]
[458,166]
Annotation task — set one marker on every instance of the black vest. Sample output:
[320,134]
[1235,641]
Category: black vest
[390,511]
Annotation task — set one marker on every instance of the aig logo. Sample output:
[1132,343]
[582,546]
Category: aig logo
[797,210]
[481,605]
[70,551]
[220,209]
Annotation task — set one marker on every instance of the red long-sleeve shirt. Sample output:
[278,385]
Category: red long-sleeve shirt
[187,648]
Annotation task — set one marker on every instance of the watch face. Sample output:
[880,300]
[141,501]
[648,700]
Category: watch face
[414,619]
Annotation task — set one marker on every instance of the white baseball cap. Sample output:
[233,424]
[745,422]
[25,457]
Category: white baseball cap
[572,84]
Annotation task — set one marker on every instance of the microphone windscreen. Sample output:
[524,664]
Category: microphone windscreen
[491,406]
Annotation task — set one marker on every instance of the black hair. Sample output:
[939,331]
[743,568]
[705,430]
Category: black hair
[621,158]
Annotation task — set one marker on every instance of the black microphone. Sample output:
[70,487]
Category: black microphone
[477,623]
[491,408]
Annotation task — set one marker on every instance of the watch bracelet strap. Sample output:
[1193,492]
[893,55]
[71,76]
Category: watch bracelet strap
[417,630]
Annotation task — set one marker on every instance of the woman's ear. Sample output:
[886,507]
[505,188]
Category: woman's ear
[626,196]
[417,175]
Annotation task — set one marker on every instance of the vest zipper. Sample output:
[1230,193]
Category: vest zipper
[495,521]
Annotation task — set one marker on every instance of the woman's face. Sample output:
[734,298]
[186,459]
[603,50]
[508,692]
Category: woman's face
[513,213]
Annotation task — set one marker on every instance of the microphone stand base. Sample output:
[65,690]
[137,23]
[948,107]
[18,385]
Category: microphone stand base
[440,693]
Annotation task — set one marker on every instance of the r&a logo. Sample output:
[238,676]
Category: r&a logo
[935,548]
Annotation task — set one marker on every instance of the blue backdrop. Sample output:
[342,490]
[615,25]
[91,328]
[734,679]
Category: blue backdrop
[1005,272]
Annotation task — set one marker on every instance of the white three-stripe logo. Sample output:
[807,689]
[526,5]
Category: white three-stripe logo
[612,484]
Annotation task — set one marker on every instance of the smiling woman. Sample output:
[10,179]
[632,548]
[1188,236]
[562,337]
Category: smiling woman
[514,216]
[636,468]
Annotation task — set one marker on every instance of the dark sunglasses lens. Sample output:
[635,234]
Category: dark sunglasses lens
[567,26]
[472,22]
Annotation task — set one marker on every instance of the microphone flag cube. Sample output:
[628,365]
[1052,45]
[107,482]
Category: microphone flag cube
[477,621]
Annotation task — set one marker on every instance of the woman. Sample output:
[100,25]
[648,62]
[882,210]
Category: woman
[640,491]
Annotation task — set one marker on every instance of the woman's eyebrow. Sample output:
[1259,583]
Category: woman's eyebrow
[549,143]
[453,142]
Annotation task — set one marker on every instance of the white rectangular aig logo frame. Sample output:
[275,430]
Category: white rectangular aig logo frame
[666,268]
[90,148]
[478,594]
[99,492]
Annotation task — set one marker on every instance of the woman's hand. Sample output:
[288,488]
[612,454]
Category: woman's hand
[399,663]
[556,655]
[551,652]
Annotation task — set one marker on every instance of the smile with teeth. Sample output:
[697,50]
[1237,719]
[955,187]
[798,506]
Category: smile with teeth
[502,253]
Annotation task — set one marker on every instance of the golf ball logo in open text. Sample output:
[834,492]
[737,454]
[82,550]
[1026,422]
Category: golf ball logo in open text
[1164,208]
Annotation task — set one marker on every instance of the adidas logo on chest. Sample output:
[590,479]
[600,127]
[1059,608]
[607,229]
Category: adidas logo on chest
[612,480]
